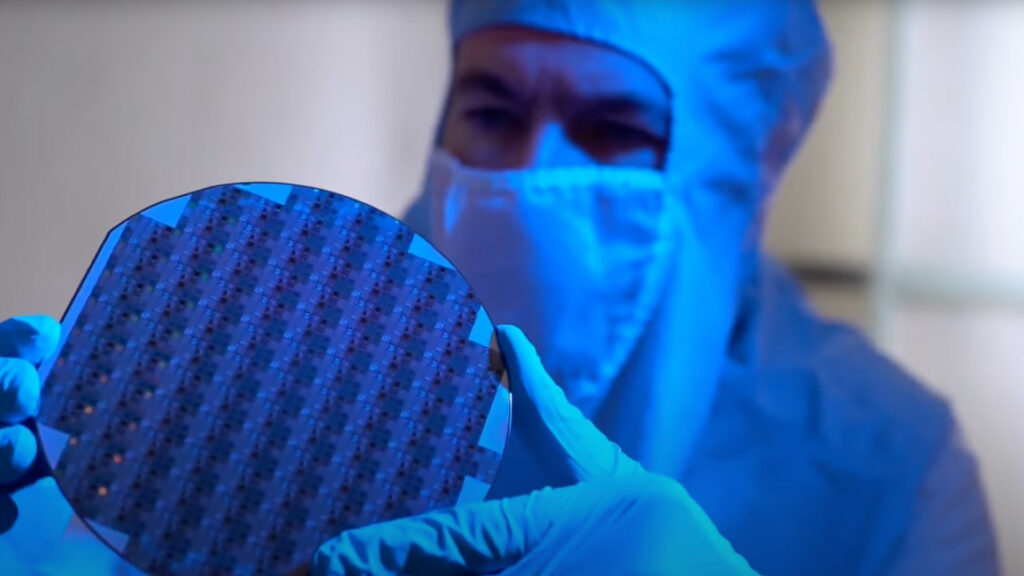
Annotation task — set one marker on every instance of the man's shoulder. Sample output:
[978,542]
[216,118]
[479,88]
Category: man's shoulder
[859,393]
[855,374]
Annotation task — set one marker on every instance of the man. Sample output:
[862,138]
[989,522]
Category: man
[601,177]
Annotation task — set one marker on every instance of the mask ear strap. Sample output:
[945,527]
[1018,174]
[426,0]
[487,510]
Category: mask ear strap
[445,107]
[417,216]
[447,102]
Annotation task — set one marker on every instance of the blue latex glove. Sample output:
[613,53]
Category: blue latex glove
[583,506]
[25,341]
[35,537]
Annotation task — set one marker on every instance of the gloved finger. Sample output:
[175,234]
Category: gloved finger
[17,452]
[637,524]
[11,560]
[477,538]
[555,427]
[19,390]
[32,338]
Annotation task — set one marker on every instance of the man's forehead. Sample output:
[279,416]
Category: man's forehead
[524,63]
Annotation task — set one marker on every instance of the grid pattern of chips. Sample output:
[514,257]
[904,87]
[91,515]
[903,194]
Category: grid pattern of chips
[263,374]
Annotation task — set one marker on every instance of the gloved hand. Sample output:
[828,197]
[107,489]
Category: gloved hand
[567,501]
[34,518]
[25,341]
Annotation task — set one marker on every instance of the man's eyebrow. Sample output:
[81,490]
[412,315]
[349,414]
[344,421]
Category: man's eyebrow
[624,103]
[488,83]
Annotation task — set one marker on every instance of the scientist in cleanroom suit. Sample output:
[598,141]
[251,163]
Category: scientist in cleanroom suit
[601,177]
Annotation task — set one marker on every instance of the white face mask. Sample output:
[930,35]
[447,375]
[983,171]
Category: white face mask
[575,257]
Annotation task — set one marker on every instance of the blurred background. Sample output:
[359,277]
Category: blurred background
[904,213]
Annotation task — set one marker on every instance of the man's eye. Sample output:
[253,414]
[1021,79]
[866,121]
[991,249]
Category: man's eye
[622,135]
[491,118]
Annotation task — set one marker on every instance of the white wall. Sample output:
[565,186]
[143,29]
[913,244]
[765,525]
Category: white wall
[107,107]
[952,293]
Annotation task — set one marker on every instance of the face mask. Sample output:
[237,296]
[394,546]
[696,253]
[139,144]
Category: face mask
[575,257]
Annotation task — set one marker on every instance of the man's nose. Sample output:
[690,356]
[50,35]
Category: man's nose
[547,145]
